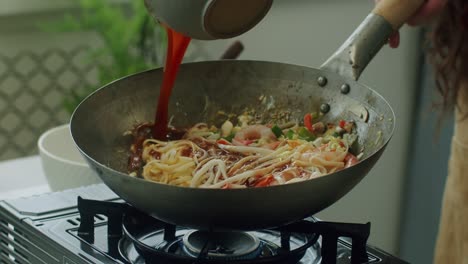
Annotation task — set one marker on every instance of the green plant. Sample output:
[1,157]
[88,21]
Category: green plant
[132,41]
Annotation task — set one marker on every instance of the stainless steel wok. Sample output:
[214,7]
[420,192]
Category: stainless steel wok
[202,89]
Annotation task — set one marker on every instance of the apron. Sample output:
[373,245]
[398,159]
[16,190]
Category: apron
[452,241]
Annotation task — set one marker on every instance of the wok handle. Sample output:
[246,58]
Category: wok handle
[233,52]
[359,49]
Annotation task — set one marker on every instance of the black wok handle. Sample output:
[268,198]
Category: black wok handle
[233,52]
[359,49]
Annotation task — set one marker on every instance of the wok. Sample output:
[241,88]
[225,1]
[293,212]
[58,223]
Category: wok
[204,88]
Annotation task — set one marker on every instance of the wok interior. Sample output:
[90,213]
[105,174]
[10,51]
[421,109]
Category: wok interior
[205,90]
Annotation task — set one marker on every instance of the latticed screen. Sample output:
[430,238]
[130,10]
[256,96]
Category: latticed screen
[33,86]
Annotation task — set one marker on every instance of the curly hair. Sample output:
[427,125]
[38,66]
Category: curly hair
[448,52]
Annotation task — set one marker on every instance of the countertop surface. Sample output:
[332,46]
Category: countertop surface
[22,177]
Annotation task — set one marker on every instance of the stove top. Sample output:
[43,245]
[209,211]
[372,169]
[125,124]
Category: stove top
[92,225]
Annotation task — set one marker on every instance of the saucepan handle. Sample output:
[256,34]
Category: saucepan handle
[359,49]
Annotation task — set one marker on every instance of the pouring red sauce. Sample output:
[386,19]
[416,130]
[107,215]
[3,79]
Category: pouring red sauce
[176,47]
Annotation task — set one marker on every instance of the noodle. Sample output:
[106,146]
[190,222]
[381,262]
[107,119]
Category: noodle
[250,156]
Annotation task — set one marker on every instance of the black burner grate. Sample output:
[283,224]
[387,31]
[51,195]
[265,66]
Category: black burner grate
[138,225]
[125,221]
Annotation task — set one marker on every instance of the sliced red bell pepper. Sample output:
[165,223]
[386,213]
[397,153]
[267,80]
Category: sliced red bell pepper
[266,181]
[342,123]
[308,122]
[223,141]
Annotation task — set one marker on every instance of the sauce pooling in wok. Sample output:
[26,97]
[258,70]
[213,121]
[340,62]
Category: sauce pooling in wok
[176,47]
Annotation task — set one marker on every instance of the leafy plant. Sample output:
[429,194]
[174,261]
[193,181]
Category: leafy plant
[132,41]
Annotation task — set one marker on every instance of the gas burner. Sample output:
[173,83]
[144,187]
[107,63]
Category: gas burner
[222,245]
[267,249]
[104,230]
[148,240]
[141,228]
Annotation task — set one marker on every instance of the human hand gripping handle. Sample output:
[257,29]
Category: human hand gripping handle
[397,12]
[372,34]
[426,11]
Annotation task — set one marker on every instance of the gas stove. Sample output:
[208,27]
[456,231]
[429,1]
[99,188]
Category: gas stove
[92,225]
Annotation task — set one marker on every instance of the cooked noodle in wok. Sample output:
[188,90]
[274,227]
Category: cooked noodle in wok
[246,155]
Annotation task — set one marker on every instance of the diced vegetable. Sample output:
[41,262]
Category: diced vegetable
[230,137]
[277,131]
[314,115]
[308,122]
[213,136]
[223,142]
[342,123]
[305,134]
[290,134]
[265,181]
[226,128]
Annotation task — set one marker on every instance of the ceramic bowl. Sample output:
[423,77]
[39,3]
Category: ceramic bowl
[63,165]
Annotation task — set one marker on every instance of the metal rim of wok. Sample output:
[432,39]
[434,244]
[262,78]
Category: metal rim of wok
[99,121]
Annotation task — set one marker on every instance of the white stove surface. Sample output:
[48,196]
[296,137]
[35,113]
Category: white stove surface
[22,177]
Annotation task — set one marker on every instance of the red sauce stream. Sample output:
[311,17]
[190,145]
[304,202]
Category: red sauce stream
[176,47]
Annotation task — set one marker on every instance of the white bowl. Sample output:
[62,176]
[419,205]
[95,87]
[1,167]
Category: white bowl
[63,165]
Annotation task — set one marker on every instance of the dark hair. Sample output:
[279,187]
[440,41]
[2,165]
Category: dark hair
[448,52]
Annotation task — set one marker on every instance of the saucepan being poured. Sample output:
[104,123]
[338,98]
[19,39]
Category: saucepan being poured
[209,19]
[270,89]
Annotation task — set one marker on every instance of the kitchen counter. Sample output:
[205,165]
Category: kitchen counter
[22,177]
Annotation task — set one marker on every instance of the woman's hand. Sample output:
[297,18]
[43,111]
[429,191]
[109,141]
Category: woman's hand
[425,14]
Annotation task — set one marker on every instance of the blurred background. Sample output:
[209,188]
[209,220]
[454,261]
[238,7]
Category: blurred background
[55,52]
